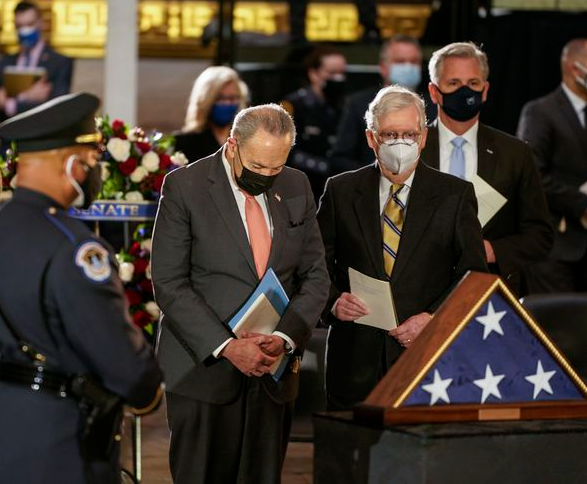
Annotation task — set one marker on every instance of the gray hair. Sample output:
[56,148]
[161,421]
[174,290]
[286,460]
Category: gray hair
[464,50]
[390,99]
[267,117]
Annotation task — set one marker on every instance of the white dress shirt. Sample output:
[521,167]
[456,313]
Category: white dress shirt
[404,194]
[577,103]
[445,136]
[240,201]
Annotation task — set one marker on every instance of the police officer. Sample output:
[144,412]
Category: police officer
[316,110]
[63,319]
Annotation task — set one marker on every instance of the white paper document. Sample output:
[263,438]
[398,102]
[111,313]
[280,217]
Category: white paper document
[376,295]
[488,199]
[260,317]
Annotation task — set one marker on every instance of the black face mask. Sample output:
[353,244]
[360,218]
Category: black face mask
[251,182]
[463,104]
[92,185]
[334,91]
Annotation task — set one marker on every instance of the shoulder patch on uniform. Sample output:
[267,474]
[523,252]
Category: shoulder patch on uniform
[94,261]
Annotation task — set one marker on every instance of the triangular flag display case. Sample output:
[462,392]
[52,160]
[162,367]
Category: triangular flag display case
[482,357]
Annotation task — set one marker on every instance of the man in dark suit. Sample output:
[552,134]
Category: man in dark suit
[555,126]
[400,62]
[34,52]
[519,234]
[395,220]
[221,222]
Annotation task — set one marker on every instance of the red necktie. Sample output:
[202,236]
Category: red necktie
[259,236]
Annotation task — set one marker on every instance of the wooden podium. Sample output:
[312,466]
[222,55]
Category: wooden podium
[481,396]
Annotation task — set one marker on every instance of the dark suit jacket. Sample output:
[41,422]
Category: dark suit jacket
[520,232]
[441,241]
[59,71]
[203,271]
[351,150]
[551,126]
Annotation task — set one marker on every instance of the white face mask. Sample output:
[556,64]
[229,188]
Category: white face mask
[398,157]
[79,201]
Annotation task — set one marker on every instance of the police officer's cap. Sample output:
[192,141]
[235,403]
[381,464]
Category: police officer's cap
[64,121]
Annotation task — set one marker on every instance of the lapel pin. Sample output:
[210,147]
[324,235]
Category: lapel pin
[489,151]
[277,197]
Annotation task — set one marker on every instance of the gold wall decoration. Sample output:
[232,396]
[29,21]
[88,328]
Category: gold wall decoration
[174,28]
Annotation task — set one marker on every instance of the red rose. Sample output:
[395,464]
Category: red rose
[146,286]
[133,297]
[128,166]
[143,147]
[141,318]
[164,161]
[118,126]
[140,266]
[158,182]
[135,249]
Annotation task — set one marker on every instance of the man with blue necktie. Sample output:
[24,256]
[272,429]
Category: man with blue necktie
[519,233]
[34,52]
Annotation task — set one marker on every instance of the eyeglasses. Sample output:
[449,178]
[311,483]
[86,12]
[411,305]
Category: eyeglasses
[391,137]
[230,99]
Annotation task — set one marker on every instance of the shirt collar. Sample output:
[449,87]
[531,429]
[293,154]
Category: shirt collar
[577,103]
[445,135]
[385,184]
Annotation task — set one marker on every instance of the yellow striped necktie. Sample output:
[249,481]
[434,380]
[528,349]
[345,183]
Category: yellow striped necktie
[393,221]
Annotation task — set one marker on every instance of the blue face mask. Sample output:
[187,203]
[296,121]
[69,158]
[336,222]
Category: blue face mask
[223,114]
[28,37]
[405,74]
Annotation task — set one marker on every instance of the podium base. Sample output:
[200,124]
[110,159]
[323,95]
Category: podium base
[537,451]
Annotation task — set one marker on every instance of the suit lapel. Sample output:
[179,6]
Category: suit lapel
[222,196]
[279,218]
[487,154]
[419,213]
[366,205]
[570,116]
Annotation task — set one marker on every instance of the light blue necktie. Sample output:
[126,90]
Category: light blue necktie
[457,158]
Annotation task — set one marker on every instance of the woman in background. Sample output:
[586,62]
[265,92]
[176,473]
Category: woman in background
[217,95]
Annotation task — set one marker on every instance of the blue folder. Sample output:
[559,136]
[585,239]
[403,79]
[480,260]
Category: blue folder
[274,292]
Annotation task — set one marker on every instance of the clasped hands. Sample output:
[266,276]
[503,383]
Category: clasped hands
[349,308]
[254,353]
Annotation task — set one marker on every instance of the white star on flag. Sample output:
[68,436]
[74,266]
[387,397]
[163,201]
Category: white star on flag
[541,380]
[489,384]
[437,388]
[491,321]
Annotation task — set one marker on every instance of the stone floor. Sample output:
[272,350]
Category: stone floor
[155,444]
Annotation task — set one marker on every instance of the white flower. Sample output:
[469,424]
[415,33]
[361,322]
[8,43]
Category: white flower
[14,182]
[139,174]
[150,161]
[105,171]
[132,135]
[118,196]
[153,310]
[119,148]
[134,196]
[146,245]
[126,271]
[179,159]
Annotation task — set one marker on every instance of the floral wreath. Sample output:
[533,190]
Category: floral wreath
[134,163]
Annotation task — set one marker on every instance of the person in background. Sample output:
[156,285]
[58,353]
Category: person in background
[555,126]
[218,94]
[396,220]
[222,222]
[34,52]
[519,234]
[63,312]
[400,62]
[316,111]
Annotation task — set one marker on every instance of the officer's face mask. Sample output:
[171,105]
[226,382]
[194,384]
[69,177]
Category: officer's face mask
[334,89]
[398,157]
[463,104]
[581,81]
[89,188]
[405,74]
[251,182]
[28,36]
